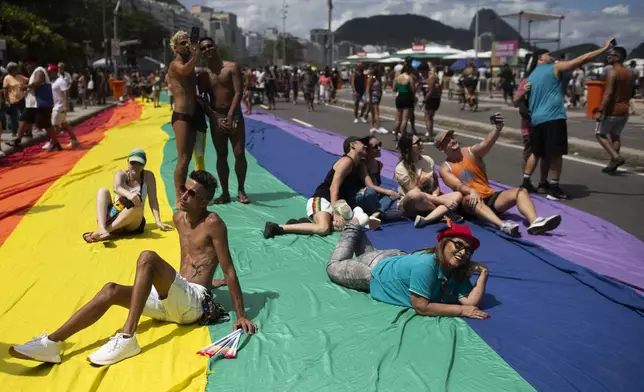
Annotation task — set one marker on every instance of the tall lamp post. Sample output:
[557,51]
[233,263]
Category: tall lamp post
[328,39]
[476,31]
[116,40]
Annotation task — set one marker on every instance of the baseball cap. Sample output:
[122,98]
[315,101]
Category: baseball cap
[461,231]
[137,155]
[351,139]
[52,68]
[440,138]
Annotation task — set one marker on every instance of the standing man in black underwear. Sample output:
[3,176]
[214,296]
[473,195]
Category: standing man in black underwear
[187,118]
[222,81]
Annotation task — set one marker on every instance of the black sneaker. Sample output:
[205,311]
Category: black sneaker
[55,147]
[527,185]
[555,193]
[543,188]
[613,165]
[272,229]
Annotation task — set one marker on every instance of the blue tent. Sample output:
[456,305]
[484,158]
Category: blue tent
[462,63]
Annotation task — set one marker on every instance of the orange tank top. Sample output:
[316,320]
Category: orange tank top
[472,173]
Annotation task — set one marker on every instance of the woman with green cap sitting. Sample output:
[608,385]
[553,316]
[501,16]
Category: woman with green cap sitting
[123,214]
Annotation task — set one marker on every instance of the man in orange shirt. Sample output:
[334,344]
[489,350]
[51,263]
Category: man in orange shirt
[464,171]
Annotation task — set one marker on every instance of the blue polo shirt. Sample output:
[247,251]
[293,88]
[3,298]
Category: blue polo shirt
[546,95]
[395,278]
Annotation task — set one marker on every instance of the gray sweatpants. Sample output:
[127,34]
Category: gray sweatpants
[355,273]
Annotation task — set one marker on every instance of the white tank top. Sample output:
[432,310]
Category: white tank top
[141,190]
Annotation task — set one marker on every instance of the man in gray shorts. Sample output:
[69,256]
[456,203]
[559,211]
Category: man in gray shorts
[613,111]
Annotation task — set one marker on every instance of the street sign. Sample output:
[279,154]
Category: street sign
[116,48]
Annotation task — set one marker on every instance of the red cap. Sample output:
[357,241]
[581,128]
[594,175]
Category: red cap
[454,230]
[52,68]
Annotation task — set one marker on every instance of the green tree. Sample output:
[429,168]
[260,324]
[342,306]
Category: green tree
[27,34]
[293,50]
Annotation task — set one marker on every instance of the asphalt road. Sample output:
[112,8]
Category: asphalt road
[578,126]
[618,199]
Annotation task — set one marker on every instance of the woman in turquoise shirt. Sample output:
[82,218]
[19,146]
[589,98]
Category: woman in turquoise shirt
[434,282]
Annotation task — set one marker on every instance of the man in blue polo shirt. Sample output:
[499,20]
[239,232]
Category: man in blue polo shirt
[549,138]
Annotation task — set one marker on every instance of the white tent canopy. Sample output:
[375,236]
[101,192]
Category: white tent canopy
[469,54]
[430,51]
[391,60]
[101,62]
[369,56]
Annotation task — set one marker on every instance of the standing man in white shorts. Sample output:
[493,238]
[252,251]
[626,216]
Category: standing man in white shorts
[159,291]
[59,89]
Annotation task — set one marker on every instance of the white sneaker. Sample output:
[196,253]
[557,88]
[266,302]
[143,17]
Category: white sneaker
[38,349]
[374,223]
[511,229]
[361,216]
[382,131]
[47,146]
[364,120]
[355,120]
[119,347]
[541,225]
[373,130]
[341,208]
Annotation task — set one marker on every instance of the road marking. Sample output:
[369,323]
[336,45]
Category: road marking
[264,107]
[302,122]
[504,144]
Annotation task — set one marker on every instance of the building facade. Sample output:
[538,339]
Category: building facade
[222,28]
[254,43]
[172,17]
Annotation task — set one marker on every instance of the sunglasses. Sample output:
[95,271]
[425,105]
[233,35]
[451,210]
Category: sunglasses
[459,246]
[417,143]
[378,145]
[183,189]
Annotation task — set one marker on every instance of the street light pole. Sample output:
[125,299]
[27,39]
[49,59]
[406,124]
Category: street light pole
[476,32]
[329,48]
[116,40]
[284,6]
[104,32]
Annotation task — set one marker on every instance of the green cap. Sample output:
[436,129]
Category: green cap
[137,155]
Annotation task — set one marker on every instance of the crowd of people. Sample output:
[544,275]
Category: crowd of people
[351,199]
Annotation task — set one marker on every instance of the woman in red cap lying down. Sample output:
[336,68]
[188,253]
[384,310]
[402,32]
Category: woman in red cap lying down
[434,281]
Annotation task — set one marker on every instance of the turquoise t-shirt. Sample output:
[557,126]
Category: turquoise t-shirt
[395,278]
[546,96]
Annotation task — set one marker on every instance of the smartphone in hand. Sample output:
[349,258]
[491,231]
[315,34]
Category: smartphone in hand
[613,42]
[493,119]
[194,35]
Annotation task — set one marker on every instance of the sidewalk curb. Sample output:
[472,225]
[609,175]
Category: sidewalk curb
[41,136]
[585,148]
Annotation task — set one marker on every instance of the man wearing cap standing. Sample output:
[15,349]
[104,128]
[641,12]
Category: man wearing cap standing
[60,88]
[549,138]
[464,171]
[341,185]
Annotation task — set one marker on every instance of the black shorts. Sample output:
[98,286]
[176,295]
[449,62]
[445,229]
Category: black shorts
[433,104]
[405,100]
[490,200]
[196,122]
[40,117]
[549,139]
[527,148]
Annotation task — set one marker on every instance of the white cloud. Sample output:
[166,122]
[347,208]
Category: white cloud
[617,10]
[579,26]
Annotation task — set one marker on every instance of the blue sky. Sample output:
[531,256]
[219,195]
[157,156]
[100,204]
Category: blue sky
[586,20]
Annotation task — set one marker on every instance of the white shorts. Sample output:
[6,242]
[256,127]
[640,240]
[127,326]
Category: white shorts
[58,118]
[317,204]
[182,306]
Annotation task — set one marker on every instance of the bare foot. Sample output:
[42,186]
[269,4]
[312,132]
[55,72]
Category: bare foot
[218,283]
[223,199]
[242,197]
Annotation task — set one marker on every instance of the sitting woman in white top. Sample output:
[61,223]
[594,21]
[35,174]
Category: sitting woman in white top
[433,281]
[418,183]
[123,215]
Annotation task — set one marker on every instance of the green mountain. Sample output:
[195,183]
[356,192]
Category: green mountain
[637,53]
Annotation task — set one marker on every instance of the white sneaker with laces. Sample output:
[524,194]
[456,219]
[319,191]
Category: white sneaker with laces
[542,225]
[364,120]
[38,349]
[47,146]
[120,347]
[361,216]
[511,229]
[373,130]
[355,120]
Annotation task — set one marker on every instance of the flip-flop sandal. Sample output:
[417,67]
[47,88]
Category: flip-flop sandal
[243,199]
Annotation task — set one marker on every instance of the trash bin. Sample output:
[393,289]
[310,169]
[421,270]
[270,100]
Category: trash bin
[118,89]
[595,96]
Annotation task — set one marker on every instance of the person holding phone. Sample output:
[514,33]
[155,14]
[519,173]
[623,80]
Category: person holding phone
[187,118]
[123,214]
[464,171]
[222,82]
